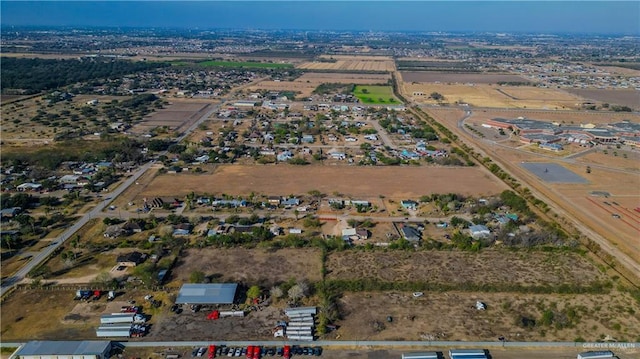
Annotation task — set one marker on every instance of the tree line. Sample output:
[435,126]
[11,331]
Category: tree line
[47,74]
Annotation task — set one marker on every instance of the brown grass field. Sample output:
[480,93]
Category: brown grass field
[463,78]
[176,116]
[365,182]
[621,97]
[497,267]
[485,95]
[308,82]
[266,267]
[352,63]
[624,185]
[453,316]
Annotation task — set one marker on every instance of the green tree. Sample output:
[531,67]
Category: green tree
[253,292]
[196,277]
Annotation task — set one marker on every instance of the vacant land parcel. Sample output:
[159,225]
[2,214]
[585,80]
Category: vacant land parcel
[484,90]
[176,116]
[304,85]
[394,182]
[444,77]
[377,95]
[351,63]
[630,98]
[268,267]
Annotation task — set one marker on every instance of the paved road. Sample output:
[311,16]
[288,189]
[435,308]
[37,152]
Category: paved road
[95,212]
[46,252]
[631,346]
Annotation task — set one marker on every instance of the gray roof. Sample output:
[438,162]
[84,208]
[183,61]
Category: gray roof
[45,348]
[214,293]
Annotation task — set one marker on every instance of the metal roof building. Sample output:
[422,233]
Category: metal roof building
[214,293]
[87,349]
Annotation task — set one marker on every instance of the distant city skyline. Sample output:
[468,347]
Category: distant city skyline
[587,17]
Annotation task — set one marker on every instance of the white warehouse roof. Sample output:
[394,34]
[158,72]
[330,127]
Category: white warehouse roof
[214,293]
[65,348]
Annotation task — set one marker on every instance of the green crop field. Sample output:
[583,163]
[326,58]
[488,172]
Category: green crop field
[376,95]
[264,65]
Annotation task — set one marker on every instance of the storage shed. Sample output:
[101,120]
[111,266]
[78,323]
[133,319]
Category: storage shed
[467,354]
[423,355]
[87,349]
[596,354]
[213,293]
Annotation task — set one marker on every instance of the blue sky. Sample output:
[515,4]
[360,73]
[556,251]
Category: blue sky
[604,17]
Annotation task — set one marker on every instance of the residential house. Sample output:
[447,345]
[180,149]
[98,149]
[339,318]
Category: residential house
[28,186]
[289,202]
[182,229]
[131,259]
[295,230]
[307,139]
[409,204]
[274,200]
[479,231]
[410,233]
[10,212]
[115,231]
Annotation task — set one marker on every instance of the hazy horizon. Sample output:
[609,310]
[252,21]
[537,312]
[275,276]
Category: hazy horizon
[590,17]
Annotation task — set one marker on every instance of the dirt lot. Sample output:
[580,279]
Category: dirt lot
[486,95]
[308,82]
[622,184]
[178,115]
[453,316]
[476,78]
[500,267]
[395,182]
[266,267]
[352,63]
[629,98]
[563,117]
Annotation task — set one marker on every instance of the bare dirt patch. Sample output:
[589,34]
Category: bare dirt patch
[476,78]
[352,63]
[488,95]
[308,82]
[176,116]
[487,267]
[622,97]
[255,266]
[26,317]
[364,182]
[453,316]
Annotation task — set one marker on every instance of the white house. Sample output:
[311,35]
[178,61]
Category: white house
[479,231]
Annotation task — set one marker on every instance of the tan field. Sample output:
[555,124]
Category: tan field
[305,84]
[485,95]
[621,97]
[352,63]
[365,182]
[489,267]
[423,318]
[267,267]
[459,78]
[176,116]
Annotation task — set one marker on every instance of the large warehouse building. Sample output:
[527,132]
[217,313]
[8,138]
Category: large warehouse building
[65,350]
[214,293]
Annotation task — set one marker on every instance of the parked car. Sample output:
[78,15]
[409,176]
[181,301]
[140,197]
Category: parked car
[201,351]
[317,351]
[286,352]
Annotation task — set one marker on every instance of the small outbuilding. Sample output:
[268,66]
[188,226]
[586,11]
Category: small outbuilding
[88,349]
[207,293]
